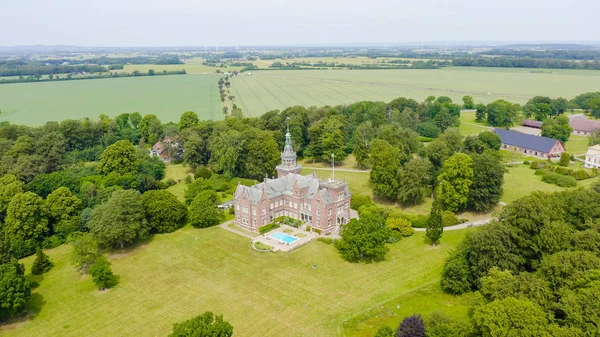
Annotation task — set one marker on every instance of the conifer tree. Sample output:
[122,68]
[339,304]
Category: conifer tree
[435,227]
[41,264]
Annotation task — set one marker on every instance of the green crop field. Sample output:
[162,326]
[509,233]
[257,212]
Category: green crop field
[177,276]
[277,89]
[166,96]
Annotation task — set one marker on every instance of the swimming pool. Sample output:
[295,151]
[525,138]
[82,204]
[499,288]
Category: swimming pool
[283,237]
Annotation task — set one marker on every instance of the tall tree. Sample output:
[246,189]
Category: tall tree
[435,227]
[225,148]
[468,102]
[15,290]
[261,154]
[188,119]
[557,128]
[488,179]
[455,182]
[119,221]
[205,325]
[64,209]
[102,275]
[502,113]
[151,129]
[413,179]
[385,162]
[9,187]
[364,239]
[164,212]
[363,135]
[85,251]
[41,264]
[480,112]
[26,223]
[119,158]
[511,317]
[203,210]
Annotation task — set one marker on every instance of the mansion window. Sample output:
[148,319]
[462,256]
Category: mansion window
[318,211]
[329,211]
[340,196]
[253,211]
[264,222]
[254,223]
[264,210]
[329,222]
[271,206]
[295,205]
[237,207]
[285,202]
[245,209]
[238,218]
[318,202]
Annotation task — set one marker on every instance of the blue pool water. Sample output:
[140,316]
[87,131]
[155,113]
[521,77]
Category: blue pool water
[283,237]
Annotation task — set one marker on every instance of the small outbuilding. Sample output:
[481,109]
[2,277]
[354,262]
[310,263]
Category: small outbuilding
[583,126]
[592,157]
[535,146]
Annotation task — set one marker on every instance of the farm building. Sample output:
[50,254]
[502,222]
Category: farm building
[583,126]
[528,123]
[592,157]
[322,205]
[536,146]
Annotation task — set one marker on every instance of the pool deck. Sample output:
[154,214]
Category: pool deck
[282,246]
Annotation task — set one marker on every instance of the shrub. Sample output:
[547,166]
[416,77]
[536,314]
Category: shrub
[418,220]
[399,226]
[526,162]
[308,228]
[449,219]
[316,230]
[581,175]
[566,181]
[267,228]
[565,159]
[357,201]
[102,275]
[202,172]
[535,165]
[384,331]
[188,179]
[41,264]
[564,171]
[411,326]
[326,240]
[550,177]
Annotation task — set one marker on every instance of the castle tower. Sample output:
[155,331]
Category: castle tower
[288,158]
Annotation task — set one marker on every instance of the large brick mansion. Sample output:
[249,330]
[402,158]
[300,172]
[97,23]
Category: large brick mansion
[323,205]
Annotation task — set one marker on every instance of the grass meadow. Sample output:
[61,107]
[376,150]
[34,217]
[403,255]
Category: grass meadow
[166,96]
[176,276]
[277,89]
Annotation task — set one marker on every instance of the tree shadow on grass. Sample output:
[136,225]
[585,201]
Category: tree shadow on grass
[117,253]
[32,309]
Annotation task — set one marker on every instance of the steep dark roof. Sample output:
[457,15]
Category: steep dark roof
[523,140]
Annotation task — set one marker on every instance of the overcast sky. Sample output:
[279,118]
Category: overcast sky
[282,22]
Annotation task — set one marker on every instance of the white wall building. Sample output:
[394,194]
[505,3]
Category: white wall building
[592,157]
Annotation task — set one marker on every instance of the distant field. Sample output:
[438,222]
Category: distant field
[277,89]
[191,67]
[166,96]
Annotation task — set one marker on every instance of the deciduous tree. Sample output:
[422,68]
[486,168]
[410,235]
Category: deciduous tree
[64,209]
[118,158]
[203,210]
[455,182]
[188,119]
[413,178]
[102,274]
[85,251]
[26,223]
[385,162]
[9,187]
[164,212]
[557,128]
[205,325]
[487,181]
[364,239]
[119,221]
[411,326]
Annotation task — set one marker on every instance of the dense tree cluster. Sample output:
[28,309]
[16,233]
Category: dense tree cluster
[537,268]
[205,325]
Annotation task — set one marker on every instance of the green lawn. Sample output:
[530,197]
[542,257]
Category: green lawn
[520,180]
[430,298]
[166,96]
[177,276]
[577,145]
